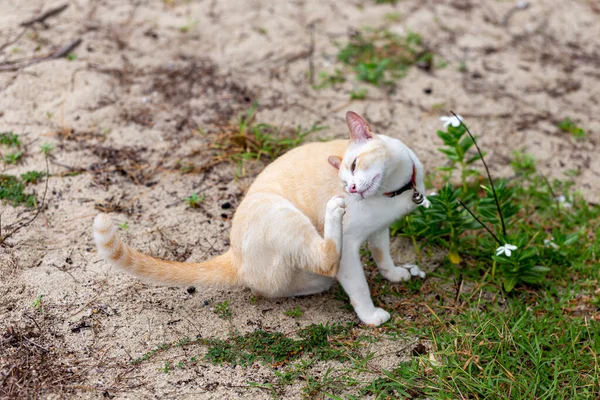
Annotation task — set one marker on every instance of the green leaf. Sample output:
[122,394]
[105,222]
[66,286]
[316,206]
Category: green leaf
[509,283]
[572,238]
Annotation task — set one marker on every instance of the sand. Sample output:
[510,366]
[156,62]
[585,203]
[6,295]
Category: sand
[153,84]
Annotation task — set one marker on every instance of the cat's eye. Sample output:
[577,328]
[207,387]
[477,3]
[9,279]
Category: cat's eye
[353,167]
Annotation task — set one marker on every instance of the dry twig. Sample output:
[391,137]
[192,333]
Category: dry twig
[42,18]
[63,51]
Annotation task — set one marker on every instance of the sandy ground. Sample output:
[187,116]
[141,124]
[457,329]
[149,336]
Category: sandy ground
[126,112]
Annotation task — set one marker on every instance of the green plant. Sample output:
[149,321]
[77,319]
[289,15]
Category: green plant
[124,225]
[255,141]
[223,311]
[13,158]
[457,147]
[13,190]
[324,342]
[9,139]
[567,125]
[167,367]
[380,56]
[187,27]
[37,304]
[523,163]
[194,200]
[516,259]
[359,94]
[46,149]
[32,176]
[295,312]
[331,79]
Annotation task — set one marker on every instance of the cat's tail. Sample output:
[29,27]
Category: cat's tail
[217,271]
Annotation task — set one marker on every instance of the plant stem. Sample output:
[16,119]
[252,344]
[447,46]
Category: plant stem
[488,174]
[477,219]
[553,195]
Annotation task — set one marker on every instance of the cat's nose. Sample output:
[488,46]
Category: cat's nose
[353,188]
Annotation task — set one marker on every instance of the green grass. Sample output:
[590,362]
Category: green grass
[379,57]
[249,140]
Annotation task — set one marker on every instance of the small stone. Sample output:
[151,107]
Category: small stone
[226,205]
[206,302]
[191,290]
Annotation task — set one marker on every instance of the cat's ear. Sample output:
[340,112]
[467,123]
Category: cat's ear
[360,131]
[335,161]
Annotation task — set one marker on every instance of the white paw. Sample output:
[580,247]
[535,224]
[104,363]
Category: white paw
[375,317]
[396,274]
[414,270]
[336,208]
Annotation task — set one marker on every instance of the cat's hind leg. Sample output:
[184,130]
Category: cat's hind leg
[279,244]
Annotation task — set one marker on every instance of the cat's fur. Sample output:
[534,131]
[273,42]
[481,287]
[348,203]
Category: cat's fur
[289,236]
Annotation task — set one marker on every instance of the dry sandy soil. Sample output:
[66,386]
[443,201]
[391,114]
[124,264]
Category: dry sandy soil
[124,113]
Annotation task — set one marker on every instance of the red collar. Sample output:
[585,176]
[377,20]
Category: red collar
[410,185]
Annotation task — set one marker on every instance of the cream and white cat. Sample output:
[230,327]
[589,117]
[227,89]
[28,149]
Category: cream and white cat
[298,229]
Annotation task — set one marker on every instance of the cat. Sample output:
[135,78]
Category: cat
[297,229]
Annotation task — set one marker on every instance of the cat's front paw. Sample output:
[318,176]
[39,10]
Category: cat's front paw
[403,273]
[374,317]
[336,208]
[414,270]
[396,274]
[334,214]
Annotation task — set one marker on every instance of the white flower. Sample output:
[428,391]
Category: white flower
[550,243]
[451,120]
[432,193]
[563,201]
[506,249]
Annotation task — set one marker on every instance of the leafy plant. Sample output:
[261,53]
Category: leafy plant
[359,94]
[9,139]
[457,147]
[523,163]
[512,256]
[194,200]
[46,149]
[12,190]
[13,158]
[223,311]
[37,304]
[295,312]
[32,176]
[567,125]
[380,56]
[252,140]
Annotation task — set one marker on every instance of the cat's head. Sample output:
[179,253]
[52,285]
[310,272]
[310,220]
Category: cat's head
[371,163]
